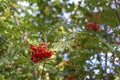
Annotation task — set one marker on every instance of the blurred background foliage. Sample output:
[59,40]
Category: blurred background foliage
[79,54]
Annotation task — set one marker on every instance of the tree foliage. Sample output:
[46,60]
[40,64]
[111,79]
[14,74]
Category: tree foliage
[78,52]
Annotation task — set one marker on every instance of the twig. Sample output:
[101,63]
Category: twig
[118,14]
[43,70]
[34,72]
[14,14]
[106,76]
[16,19]
[3,39]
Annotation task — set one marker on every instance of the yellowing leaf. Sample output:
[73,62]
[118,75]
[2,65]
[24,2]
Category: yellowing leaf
[61,28]
[3,18]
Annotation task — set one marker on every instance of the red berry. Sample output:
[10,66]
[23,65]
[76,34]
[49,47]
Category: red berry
[93,26]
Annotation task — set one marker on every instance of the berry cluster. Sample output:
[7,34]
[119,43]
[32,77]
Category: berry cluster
[92,26]
[40,52]
[94,15]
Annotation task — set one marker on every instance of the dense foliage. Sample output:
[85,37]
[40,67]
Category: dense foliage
[85,39]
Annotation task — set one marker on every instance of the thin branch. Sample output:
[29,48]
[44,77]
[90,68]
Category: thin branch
[34,72]
[16,19]
[3,39]
[106,76]
[118,14]
[42,75]
[14,14]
